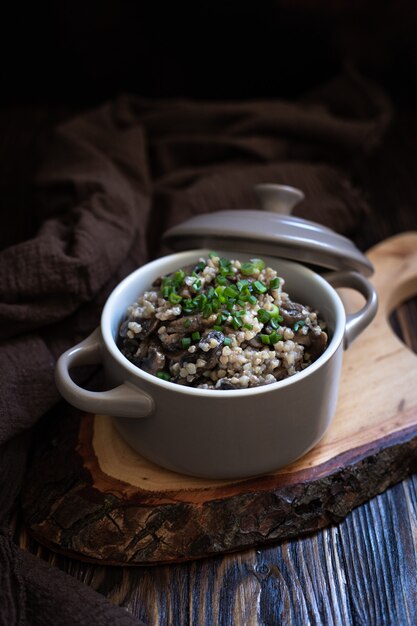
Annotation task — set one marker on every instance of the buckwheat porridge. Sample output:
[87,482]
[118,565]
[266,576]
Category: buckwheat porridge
[221,324]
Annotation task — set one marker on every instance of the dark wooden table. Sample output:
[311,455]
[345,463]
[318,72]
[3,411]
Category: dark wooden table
[361,571]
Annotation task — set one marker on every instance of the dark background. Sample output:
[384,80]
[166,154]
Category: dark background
[78,52]
[58,58]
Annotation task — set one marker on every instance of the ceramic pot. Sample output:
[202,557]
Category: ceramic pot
[216,433]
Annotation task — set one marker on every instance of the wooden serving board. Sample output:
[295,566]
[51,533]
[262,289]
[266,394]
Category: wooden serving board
[91,496]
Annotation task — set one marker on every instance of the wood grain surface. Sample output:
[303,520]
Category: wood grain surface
[107,503]
[361,571]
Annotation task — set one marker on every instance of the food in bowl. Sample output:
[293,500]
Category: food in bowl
[221,324]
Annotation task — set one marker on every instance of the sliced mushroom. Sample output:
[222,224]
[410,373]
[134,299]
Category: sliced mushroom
[154,361]
[171,343]
[212,355]
[190,323]
[256,342]
[226,384]
[280,373]
[292,312]
[318,345]
[149,325]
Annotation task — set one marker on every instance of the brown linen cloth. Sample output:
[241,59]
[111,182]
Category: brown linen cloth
[111,181]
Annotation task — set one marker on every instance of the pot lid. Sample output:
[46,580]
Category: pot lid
[272,231]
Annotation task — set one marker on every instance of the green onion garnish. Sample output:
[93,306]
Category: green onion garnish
[217,327]
[208,310]
[236,323]
[274,283]
[195,336]
[186,342]
[163,375]
[199,267]
[258,264]
[253,299]
[248,326]
[187,323]
[259,286]
[247,269]
[221,280]
[174,298]
[213,255]
[227,341]
[265,339]
[165,292]
[231,291]
[274,312]
[179,277]
[273,323]
[274,337]
[263,316]
[298,325]
[215,304]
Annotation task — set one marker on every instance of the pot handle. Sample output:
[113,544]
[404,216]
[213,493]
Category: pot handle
[126,400]
[356,322]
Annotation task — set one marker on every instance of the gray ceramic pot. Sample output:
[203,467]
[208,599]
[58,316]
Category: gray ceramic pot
[220,434]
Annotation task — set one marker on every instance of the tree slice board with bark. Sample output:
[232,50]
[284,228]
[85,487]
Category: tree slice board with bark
[91,496]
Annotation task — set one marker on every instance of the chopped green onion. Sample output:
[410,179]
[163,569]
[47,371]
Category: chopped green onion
[179,277]
[213,255]
[241,284]
[211,292]
[185,342]
[280,319]
[195,336]
[274,283]
[215,304]
[259,286]
[187,323]
[236,323]
[227,341]
[298,325]
[226,268]
[231,291]
[208,310]
[247,269]
[274,312]
[242,303]
[174,298]
[199,267]
[248,326]
[274,337]
[265,339]
[258,264]
[221,280]
[196,285]
[273,323]
[253,299]
[165,292]
[263,316]
[188,305]
[163,375]
[217,327]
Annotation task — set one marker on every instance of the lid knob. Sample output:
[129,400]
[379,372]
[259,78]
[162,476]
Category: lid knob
[278,198]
